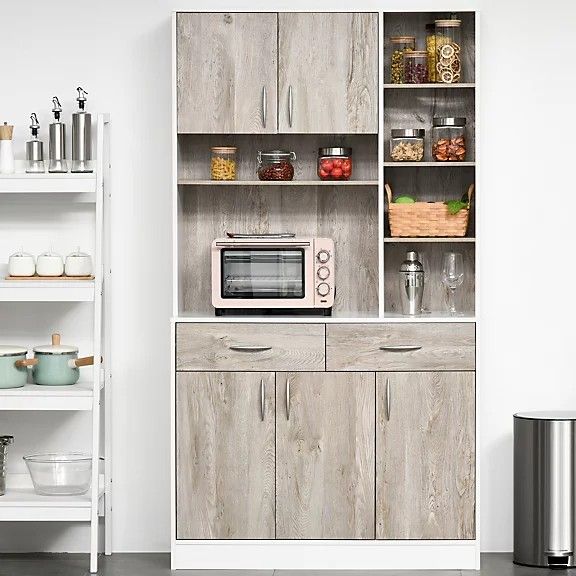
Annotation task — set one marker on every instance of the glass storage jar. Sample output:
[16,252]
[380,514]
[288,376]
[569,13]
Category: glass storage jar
[449,139]
[223,163]
[448,56]
[275,165]
[407,145]
[334,163]
[416,67]
[431,50]
[399,46]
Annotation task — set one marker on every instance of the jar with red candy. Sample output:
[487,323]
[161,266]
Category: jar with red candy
[334,163]
[275,165]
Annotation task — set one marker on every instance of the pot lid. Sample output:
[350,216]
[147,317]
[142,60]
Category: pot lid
[50,254]
[78,254]
[9,350]
[55,347]
[21,254]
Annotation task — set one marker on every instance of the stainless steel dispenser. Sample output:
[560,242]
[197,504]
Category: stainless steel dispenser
[34,149]
[411,284]
[57,142]
[4,442]
[81,135]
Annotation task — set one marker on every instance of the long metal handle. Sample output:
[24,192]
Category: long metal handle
[270,244]
[287,398]
[401,348]
[264,106]
[249,348]
[262,400]
[387,399]
[290,106]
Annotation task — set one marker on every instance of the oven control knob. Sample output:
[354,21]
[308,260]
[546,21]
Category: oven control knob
[323,289]
[323,273]
[323,256]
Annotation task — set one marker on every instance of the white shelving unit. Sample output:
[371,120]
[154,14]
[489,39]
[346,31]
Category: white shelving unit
[21,503]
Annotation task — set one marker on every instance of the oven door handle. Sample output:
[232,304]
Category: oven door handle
[262,244]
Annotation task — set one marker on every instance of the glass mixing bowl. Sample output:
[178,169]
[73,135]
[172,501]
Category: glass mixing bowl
[66,474]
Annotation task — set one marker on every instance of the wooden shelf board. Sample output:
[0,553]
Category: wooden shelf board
[428,164]
[33,397]
[429,86]
[427,240]
[185,182]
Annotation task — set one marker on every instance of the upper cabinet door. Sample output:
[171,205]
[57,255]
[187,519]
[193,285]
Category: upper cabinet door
[227,73]
[328,73]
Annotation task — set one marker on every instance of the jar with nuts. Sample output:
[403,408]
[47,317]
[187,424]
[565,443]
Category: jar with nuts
[223,163]
[448,57]
[407,145]
[449,139]
[399,46]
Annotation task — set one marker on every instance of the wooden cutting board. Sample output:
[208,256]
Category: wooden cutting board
[37,278]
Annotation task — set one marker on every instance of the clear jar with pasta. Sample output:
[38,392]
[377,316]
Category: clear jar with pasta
[399,46]
[448,51]
[223,163]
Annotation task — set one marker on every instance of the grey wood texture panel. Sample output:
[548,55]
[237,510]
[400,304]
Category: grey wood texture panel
[434,291]
[194,153]
[331,62]
[209,346]
[225,456]
[325,456]
[224,60]
[417,109]
[414,24]
[443,346]
[425,451]
[431,184]
[349,218]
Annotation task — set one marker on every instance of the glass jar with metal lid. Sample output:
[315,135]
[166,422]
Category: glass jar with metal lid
[223,163]
[276,165]
[334,163]
[416,67]
[407,145]
[449,139]
[399,46]
[448,56]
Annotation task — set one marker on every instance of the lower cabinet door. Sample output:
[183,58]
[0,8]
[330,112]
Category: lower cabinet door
[325,431]
[225,455]
[425,455]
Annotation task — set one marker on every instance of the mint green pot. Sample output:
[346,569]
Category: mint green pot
[55,369]
[11,375]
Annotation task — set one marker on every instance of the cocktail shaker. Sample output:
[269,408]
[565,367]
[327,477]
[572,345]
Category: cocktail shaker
[4,441]
[81,135]
[411,284]
[57,144]
[34,149]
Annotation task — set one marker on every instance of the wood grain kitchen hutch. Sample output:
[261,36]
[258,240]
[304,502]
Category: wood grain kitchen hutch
[299,441]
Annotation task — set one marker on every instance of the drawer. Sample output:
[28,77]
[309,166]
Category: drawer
[257,347]
[400,347]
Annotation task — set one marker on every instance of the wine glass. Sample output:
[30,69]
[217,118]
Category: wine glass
[452,277]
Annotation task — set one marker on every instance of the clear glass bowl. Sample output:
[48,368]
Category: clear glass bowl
[60,474]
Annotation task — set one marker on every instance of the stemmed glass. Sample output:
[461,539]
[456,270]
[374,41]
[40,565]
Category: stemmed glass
[452,277]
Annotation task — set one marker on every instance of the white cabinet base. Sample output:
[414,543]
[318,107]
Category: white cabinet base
[332,555]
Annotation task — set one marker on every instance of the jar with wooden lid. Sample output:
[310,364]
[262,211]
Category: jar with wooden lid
[399,46]
[223,163]
[449,139]
[448,51]
[431,50]
[416,67]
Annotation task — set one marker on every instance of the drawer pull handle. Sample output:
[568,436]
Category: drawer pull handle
[241,348]
[264,106]
[290,106]
[388,399]
[401,348]
[262,400]
[287,398]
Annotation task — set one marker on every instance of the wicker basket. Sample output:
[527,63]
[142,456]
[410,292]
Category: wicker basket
[426,219]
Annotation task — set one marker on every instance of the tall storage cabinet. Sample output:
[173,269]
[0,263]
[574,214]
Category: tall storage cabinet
[302,442]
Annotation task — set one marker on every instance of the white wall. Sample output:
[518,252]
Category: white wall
[119,50]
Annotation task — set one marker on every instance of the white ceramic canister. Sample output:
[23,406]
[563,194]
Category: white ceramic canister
[78,264]
[49,264]
[21,264]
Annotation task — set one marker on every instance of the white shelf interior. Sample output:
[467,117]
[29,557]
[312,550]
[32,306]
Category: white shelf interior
[185,182]
[34,397]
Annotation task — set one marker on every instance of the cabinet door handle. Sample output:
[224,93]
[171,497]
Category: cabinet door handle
[249,348]
[264,106]
[401,348]
[262,400]
[290,106]
[387,399]
[287,398]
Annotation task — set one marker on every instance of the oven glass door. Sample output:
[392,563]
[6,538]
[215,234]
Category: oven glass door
[254,273]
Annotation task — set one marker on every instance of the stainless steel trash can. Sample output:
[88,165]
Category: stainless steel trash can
[544,499]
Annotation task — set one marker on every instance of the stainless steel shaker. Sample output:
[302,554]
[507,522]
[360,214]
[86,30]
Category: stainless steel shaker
[411,284]
[4,442]
[57,142]
[81,135]
[34,149]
